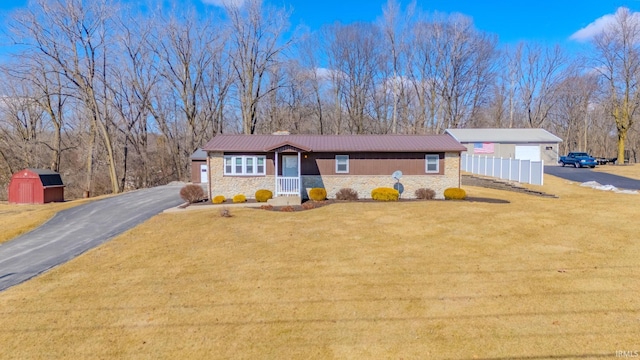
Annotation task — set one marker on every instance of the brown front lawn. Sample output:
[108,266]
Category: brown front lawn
[520,278]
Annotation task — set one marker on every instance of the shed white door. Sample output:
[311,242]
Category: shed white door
[204,178]
[528,152]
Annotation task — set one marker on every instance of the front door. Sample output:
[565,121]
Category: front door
[204,175]
[290,166]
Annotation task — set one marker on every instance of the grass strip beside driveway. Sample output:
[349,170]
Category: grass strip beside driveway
[16,220]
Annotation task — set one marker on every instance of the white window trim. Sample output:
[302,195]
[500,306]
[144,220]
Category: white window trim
[244,158]
[426,163]
[337,162]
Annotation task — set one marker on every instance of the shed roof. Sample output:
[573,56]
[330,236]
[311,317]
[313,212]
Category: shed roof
[335,143]
[199,154]
[48,177]
[503,135]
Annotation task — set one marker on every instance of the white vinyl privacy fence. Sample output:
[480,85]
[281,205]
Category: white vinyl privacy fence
[524,171]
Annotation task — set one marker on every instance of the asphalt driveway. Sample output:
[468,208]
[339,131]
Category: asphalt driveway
[582,175]
[74,231]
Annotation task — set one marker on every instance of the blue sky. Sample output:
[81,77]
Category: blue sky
[512,21]
[547,21]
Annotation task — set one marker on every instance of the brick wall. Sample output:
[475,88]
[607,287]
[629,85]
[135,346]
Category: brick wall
[231,185]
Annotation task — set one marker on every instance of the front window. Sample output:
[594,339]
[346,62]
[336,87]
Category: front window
[260,166]
[432,163]
[244,165]
[342,164]
[228,165]
[249,165]
[239,169]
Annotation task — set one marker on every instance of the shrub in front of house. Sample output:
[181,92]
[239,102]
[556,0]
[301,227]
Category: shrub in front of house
[287,208]
[192,193]
[347,194]
[219,199]
[263,195]
[425,194]
[385,194]
[317,194]
[239,198]
[455,194]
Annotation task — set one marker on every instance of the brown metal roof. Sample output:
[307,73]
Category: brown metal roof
[335,143]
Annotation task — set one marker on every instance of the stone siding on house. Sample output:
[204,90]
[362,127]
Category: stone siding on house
[363,184]
[228,186]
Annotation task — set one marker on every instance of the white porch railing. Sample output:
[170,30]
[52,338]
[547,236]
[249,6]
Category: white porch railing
[287,186]
[524,171]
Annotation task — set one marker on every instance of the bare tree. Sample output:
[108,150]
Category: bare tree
[467,56]
[257,40]
[314,78]
[452,69]
[75,36]
[355,57]
[220,78]
[22,124]
[572,116]
[616,58]
[541,72]
[185,60]
[510,76]
[131,90]
[496,112]
[47,89]
[425,65]
[395,25]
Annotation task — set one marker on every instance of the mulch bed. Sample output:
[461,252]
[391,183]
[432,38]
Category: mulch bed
[307,205]
[310,204]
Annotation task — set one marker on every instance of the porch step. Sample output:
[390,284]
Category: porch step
[285,200]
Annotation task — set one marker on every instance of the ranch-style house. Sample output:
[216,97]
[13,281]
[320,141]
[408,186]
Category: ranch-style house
[289,165]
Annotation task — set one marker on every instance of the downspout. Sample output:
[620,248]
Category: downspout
[459,168]
[209,175]
[275,173]
[299,177]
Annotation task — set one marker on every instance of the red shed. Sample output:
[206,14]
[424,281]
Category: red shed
[36,186]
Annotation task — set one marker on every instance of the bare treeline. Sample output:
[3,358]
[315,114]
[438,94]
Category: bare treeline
[117,96]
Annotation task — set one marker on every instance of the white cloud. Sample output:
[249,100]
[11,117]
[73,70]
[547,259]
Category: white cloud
[599,25]
[593,29]
[325,74]
[223,3]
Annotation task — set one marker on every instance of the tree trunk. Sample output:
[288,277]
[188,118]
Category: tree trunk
[92,140]
[622,137]
[55,154]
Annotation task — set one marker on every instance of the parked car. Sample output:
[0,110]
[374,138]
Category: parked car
[578,159]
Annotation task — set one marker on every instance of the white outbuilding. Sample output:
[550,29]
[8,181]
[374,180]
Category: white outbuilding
[524,144]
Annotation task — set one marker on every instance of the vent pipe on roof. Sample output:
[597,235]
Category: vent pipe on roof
[281,132]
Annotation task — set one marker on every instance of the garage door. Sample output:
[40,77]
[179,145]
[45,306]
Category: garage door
[528,152]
